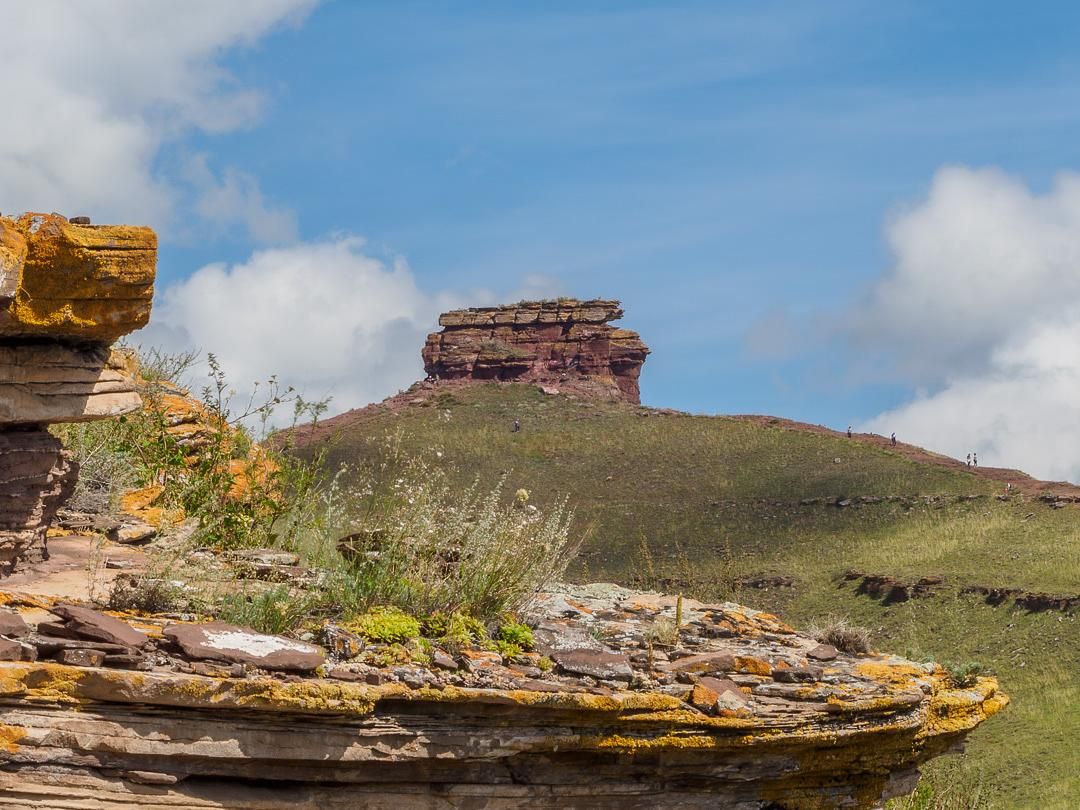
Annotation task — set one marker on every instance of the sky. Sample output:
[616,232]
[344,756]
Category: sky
[841,212]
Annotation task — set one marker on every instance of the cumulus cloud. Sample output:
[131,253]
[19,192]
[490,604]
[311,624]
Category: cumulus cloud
[982,307]
[324,317]
[94,90]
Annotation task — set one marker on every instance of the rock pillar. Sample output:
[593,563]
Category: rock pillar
[68,290]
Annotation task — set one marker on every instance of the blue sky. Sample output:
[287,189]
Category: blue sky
[729,170]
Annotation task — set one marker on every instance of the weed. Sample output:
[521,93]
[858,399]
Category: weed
[842,634]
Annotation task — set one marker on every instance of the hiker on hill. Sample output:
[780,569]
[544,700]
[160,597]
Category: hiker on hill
[516,427]
[969,459]
[893,439]
[974,459]
[849,431]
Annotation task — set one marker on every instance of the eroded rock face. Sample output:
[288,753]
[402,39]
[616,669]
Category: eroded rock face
[736,710]
[67,291]
[551,343]
[36,477]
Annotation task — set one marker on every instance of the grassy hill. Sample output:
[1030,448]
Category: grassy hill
[733,507]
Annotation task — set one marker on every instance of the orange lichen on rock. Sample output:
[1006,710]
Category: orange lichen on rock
[82,282]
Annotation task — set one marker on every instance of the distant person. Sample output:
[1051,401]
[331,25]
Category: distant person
[516,427]
[893,439]
[969,459]
[974,459]
[849,431]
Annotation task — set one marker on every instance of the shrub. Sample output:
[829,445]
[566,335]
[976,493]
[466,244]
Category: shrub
[429,549]
[387,625]
[273,610]
[964,674]
[842,634]
[518,634]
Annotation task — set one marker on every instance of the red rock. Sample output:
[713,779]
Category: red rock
[549,343]
[16,651]
[217,641]
[99,627]
[12,624]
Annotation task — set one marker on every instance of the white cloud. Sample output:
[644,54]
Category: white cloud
[982,303]
[323,317]
[93,90]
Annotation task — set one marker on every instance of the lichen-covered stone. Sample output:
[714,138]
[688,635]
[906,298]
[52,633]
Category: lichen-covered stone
[74,282]
[551,343]
[846,736]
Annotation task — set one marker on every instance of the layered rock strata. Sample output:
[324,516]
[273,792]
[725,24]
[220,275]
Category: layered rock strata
[67,291]
[732,710]
[564,343]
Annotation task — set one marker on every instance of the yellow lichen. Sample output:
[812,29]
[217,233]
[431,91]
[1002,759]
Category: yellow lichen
[10,737]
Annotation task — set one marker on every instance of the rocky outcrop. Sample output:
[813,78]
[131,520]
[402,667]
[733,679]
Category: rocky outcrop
[68,289]
[731,710]
[557,344]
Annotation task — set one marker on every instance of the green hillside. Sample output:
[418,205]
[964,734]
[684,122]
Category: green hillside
[733,507]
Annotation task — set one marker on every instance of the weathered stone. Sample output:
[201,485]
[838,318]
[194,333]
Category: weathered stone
[36,477]
[45,383]
[124,661]
[443,661]
[218,641]
[597,663]
[796,674]
[12,624]
[823,652]
[132,531]
[81,658]
[11,650]
[50,645]
[549,343]
[75,282]
[722,661]
[99,626]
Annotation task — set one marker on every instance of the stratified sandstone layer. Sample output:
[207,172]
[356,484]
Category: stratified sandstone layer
[67,291]
[738,712]
[554,343]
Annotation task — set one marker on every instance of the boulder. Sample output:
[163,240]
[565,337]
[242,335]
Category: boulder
[218,641]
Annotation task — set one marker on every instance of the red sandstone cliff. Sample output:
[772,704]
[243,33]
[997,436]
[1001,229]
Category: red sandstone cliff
[545,342]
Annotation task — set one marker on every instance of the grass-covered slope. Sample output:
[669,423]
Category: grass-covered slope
[702,504]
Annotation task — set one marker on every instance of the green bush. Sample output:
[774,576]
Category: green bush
[518,634]
[387,625]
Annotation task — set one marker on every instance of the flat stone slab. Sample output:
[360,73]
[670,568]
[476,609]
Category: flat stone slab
[99,626]
[217,641]
[12,624]
[596,663]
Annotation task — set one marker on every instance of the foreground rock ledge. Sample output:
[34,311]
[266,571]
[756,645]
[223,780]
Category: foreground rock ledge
[833,731]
